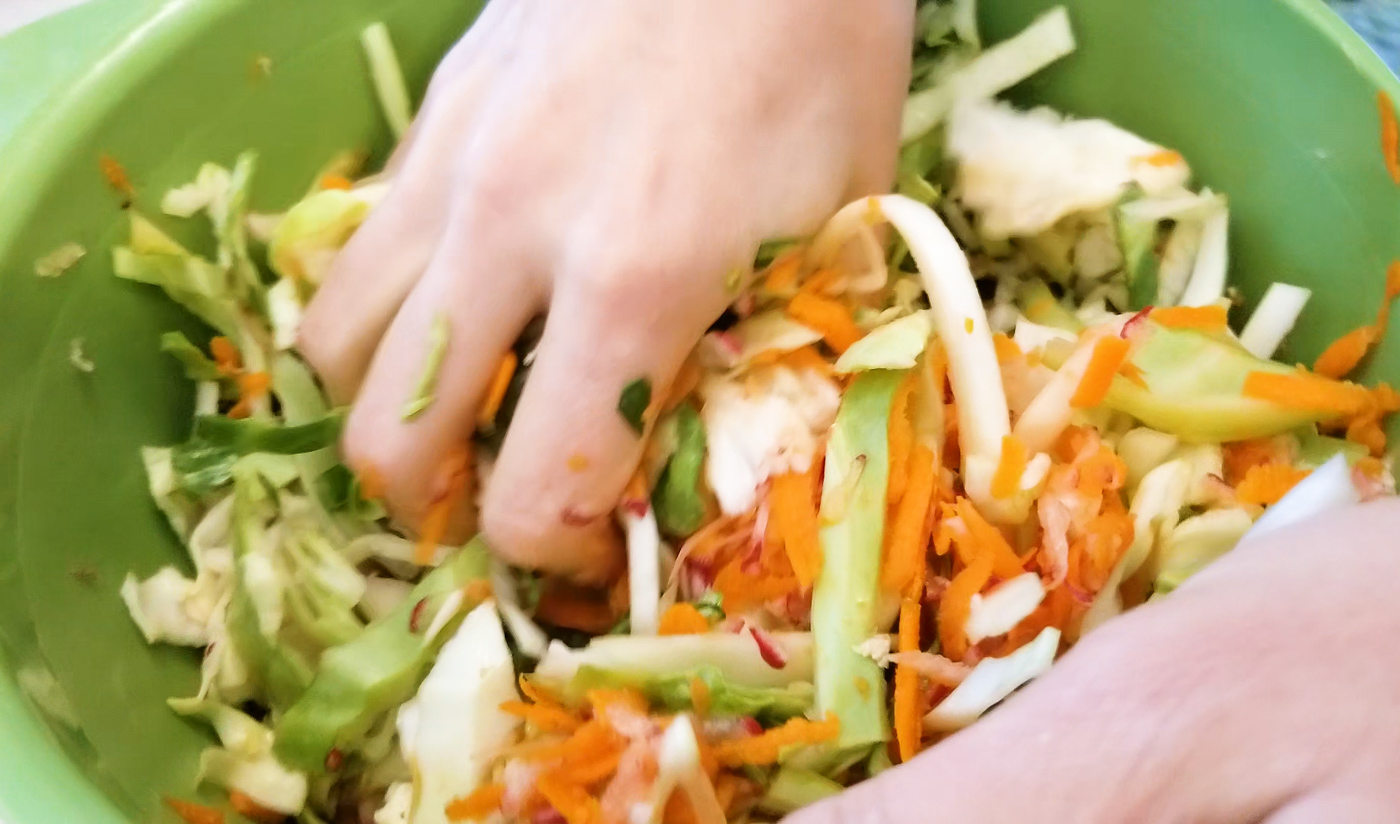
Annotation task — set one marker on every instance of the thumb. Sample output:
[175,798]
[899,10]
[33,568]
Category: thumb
[1134,724]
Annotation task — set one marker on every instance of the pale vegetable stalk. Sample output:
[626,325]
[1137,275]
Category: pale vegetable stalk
[1273,319]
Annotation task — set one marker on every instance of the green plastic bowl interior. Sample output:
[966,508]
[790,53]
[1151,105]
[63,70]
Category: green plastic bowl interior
[1273,102]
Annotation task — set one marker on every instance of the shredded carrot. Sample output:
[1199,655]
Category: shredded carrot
[1109,354]
[908,538]
[1163,158]
[765,748]
[577,462]
[968,325]
[1345,353]
[606,701]
[496,391]
[1370,467]
[116,176]
[1006,481]
[193,813]
[908,725]
[1339,359]
[782,273]
[822,282]
[1301,390]
[1241,456]
[252,387]
[586,773]
[793,510]
[371,482]
[1390,135]
[226,356]
[1007,350]
[245,806]
[572,802]
[593,739]
[452,486]
[339,182]
[1206,318]
[807,358]
[700,696]
[683,384]
[533,691]
[956,605]
[544,717]
[477,806]
[683,619]
[1264,485]
[978,538]
[901,441]
[832,319]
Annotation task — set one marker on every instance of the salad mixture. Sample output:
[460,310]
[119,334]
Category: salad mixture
[897,479]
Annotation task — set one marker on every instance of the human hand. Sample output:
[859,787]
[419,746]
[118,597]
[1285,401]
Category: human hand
[608,163]
[1263,689]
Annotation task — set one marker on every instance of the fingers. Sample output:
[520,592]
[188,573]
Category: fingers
[384,259]
[1143,721]
[569,452]
[473,292]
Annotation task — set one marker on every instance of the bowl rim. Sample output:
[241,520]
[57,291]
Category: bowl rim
[47,784]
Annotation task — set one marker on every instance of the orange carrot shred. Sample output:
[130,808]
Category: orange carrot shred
[1205,318]
[765,748]
[908,727]
[1109,354]
[252,387]
[685,382]
[793,510]
[226,356]
[572,802]
[1006,348]
[193,813]
[782,273]
[901,441]
[956,605]
[968,325]
[683,619]
[1301,390]
[452,485]
[980,538]
[832,319]
[1006,481]
[338,182]
[1390,136]
[807,358]
[477,806]
[1339,359]
[496,391]
[370,481]
[116,176]
[1266,484]
[544,717]
[1163,158]
[577,462]
[699,696]
[245,806]
[908,538]
[1132,374]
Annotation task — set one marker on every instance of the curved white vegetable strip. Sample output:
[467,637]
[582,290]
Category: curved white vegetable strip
[1273,319]
[643,569]
[1208,276]
[1049,413]
[679,768]
[961,323]
[992,680]
[529,638]
[1003,607]
[1328,487]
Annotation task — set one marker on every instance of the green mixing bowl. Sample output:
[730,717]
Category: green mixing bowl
[1273,101]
